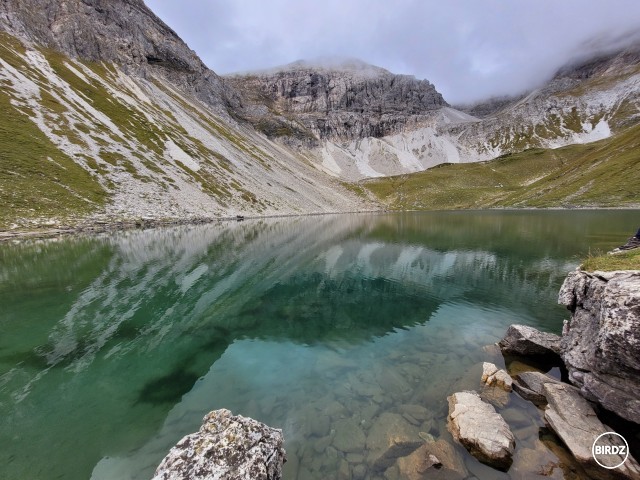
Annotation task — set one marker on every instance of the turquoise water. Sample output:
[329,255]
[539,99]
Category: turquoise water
[114,347]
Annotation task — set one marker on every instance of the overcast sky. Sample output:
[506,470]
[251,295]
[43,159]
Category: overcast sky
[470,49]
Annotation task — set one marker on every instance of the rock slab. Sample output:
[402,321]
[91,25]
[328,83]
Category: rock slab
[229,447]
[577,425]
[601,340]
[527,341]
[530,386]
[481,430]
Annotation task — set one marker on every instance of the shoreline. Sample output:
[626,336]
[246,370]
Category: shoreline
[106,226]
[89,226]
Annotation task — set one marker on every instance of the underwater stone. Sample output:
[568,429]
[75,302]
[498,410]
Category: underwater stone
[391,437]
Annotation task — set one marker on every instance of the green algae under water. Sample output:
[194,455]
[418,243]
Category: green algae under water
[114,347]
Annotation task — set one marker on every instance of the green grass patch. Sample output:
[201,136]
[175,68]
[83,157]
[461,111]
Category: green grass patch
[599,174]
[36,179]
[629,260]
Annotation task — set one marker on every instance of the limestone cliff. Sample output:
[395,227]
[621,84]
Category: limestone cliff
[340,101]
[601,340]
[361,121]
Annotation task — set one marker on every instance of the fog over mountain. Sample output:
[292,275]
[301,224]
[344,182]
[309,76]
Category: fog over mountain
[469,50]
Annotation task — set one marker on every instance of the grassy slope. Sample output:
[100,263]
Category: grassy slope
[603,174]
[39,181]
[36,178]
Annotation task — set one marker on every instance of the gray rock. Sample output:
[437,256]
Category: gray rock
[492,376]
[577,425]
[226,446]
[601,340]
[530,386]
[527,341]
[480,429]
[125,32]
[349,100]
[391,437]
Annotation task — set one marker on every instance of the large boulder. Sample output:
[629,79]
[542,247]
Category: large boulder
[480,429]
[529,342]
[226,446]
[577,425]
[601,340]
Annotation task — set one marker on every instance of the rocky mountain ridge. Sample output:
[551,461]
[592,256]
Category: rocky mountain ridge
[351,139]
[342,101]
[124,32]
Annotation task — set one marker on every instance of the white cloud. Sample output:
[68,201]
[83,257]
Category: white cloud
[469,49]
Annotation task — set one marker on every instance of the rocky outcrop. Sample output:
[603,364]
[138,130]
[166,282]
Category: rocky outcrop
[226,446]
[527,341]
[480,429]
[125,32]
[345,101]
[601,340]
[577,425]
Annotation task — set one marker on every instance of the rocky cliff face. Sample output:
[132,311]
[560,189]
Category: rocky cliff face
[345,101]
[601,341]
[124,32]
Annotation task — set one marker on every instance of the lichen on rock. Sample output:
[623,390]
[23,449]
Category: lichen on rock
[226,446]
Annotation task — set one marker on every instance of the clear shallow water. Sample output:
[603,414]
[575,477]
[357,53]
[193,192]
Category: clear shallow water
[113,348]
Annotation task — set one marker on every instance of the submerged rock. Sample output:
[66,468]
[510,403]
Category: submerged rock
[391,437]
[577,425]
[601,341]
[227,447]
[433,460]
[481,430]
[527,341]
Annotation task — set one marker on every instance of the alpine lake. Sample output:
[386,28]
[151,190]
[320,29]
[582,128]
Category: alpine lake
[115,346]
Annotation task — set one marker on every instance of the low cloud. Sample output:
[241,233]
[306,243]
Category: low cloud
[470,50]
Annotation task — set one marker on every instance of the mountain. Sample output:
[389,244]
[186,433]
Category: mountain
[575,142]
[361,121]
[339,101]
[107,115]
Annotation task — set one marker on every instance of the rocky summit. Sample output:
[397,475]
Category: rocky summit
[340,101]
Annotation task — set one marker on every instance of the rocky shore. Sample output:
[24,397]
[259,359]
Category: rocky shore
[599,353]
